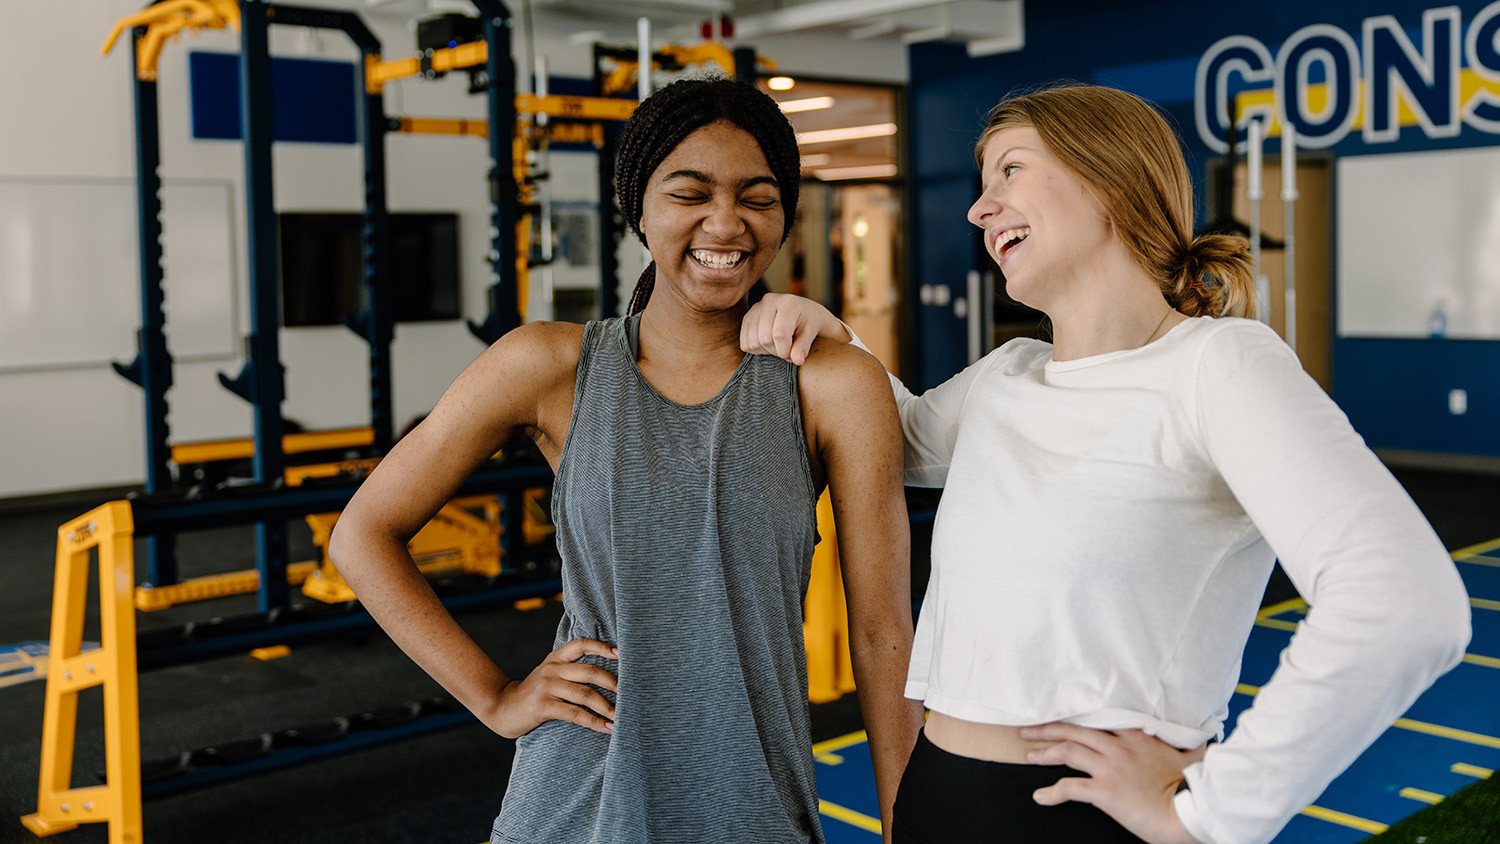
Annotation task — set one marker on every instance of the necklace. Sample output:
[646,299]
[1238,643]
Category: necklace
[1159,324]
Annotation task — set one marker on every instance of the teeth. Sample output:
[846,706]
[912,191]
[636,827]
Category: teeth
[1009,237]
[717,260]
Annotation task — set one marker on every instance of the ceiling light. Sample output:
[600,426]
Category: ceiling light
[848,133]
[780,83]
[809,104]
[816,159]
[871,171]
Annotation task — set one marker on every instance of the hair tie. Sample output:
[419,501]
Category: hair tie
[1192,268]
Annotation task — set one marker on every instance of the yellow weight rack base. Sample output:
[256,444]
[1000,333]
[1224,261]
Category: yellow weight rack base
[455,538]
[110,529]
[152,598]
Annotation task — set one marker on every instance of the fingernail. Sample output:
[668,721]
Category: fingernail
[1031,755]
[616,652]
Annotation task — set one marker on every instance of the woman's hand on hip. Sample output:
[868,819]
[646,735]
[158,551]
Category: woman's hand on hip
[784,325]
[560,689]
[1132,777]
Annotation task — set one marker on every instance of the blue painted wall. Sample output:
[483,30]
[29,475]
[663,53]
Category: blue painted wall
[1393,390]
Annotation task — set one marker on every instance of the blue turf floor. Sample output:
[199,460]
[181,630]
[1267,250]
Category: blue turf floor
[1450,736]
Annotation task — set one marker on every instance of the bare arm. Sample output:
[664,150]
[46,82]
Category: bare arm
[517,384]
[858,441]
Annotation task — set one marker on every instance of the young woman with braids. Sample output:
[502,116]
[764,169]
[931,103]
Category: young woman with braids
[1113,502]
[674,707]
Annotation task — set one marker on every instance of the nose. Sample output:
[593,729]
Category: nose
[983,208]
[723,220]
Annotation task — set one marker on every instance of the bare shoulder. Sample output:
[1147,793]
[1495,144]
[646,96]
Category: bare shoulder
[842,369]
[842,386]
[534,358]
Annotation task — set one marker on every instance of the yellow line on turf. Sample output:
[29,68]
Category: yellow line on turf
[839,743]
[1471,770]
[1486,661]
[1342,819]
[1465,554]
[1447,732]
[1267,616]
[1424,796]
[849,816]
[1484,603]
[1290,605]
[1415,726]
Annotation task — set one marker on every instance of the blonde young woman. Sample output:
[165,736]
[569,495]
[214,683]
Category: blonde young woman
[1113,503]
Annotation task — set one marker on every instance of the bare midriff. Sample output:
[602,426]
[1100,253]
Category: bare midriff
[990,742]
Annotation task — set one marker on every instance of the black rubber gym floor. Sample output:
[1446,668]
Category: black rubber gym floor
[444,787]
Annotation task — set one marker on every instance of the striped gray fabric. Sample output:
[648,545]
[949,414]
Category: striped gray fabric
[686,534]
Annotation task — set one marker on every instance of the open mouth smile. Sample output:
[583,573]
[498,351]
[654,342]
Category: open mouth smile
[718,260]
[1008,240]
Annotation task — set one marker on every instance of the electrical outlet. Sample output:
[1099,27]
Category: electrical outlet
[1458,402]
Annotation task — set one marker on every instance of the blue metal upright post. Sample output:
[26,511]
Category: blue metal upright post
[266,380]
[500,72]
[152,367]
[378,322]
[609,228]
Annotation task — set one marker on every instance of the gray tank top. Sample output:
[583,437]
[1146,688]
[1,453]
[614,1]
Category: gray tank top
[686,534]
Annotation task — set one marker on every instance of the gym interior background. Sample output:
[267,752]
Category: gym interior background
[1389,278]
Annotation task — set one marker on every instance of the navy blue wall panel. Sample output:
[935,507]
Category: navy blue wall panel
[1153,48]
[1396,393]
[313,100]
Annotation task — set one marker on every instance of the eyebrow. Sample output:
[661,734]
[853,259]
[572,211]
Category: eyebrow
[700,176]
[1009,150]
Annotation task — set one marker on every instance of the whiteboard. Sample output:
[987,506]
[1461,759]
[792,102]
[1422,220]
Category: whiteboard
[70,272]
[1419,244]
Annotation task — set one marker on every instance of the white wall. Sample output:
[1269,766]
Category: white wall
[69,117]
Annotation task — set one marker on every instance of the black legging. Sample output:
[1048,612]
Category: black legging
[949,799]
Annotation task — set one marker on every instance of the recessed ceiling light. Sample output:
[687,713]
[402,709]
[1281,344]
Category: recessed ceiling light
[847,133]
[780,83]
[872,171]
[808,104]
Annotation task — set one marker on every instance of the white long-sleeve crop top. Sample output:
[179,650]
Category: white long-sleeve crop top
[1104,538]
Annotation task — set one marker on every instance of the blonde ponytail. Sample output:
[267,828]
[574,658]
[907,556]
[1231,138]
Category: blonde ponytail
[1214,278]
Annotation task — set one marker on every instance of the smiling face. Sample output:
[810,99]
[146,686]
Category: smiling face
[1041,225]
[712,217]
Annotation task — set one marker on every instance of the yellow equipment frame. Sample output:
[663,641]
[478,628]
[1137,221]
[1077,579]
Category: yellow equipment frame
[110,529]
[243,448]
[825,617]
[167,20]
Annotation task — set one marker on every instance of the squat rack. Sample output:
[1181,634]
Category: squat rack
[262,379]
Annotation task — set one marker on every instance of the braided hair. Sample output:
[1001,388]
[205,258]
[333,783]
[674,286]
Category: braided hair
[668,116]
